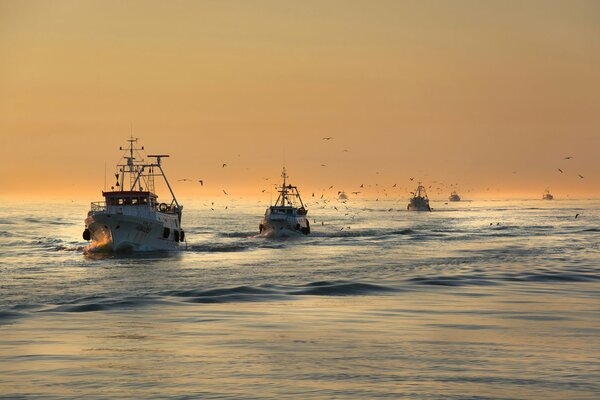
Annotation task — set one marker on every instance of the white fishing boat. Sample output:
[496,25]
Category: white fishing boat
[131,218]
[547,195]
[454,196]
[288,215]
[419,201]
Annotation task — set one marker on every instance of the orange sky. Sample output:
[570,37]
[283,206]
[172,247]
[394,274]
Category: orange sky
[481,94]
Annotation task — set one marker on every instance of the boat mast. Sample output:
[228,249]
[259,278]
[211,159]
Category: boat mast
[284,188]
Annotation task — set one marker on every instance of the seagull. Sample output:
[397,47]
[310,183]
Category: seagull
[323,165]
[327,138]
[184,180]
[412,179]
[576,215]
[224,165]
[345,150]
[560,170]
[362,185]
[394,185]
[262,191]
[356,192]
[313,195]
[568,157]
[225,192]
[581,176]
[331,187]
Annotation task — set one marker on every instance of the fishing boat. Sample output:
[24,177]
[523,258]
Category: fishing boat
[547,195]
[419,201]
[131,217]
[288,215]
[454,196]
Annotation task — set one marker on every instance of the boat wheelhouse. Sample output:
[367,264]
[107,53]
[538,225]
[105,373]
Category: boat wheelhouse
[288,215]
[547,195]
[419,201]
[131,217]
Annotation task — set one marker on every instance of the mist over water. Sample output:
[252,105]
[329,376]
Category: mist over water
[482,299]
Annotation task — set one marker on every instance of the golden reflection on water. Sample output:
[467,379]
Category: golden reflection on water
[413,344]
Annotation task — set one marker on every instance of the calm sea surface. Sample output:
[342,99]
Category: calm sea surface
[483,299]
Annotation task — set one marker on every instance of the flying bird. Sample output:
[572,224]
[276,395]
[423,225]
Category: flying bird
[183,180]
[201,182]
[412,179]
[568,157]
[356,192]
[576,215]
[225,192]
[581,176]
[327,138]
[560,170]
[323,165]
[224,165]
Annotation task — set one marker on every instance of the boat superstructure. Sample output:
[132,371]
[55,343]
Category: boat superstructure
[131,217]
[288,215]
[419,201]
[454,196]
[547,195]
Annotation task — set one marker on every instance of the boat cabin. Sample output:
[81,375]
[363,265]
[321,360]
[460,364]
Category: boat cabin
[130,198]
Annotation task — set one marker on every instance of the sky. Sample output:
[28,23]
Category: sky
[489,96]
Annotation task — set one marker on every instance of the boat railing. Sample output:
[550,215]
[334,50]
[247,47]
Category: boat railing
[98,206]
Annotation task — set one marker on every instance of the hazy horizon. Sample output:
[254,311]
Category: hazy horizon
[490,97]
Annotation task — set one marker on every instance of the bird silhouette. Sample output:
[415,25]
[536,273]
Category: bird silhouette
[201,182]
[327,138]
[224,165]
[560,170]
[581,176]
[568,157]
[323,165]
[356,192]
[183,180]
[412,179]
[576,215]
[225,192]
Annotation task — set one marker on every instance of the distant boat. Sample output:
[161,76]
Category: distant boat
[131,217]
[343,196]
[454,196]
[547,195]
[419,201]
[288,215]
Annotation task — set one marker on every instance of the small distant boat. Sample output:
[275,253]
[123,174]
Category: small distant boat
[547,195]
[342,196]
[131,218]
[288,215]
[454,196]
[419,201]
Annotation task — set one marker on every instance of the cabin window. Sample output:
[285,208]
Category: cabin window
[120,201]
[176,235]
[135,201]
[166,233]
[182,235]
[144,200]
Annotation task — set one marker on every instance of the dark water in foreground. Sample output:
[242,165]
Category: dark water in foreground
[417,305]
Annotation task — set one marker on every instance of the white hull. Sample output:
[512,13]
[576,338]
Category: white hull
[277,226]
[123,233]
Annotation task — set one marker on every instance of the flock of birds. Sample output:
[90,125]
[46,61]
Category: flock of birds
[327,197]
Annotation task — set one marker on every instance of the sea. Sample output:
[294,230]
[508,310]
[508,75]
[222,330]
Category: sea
[474,300]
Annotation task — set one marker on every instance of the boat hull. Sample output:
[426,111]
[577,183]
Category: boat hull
[124,233]
[284,227]
[418,206]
